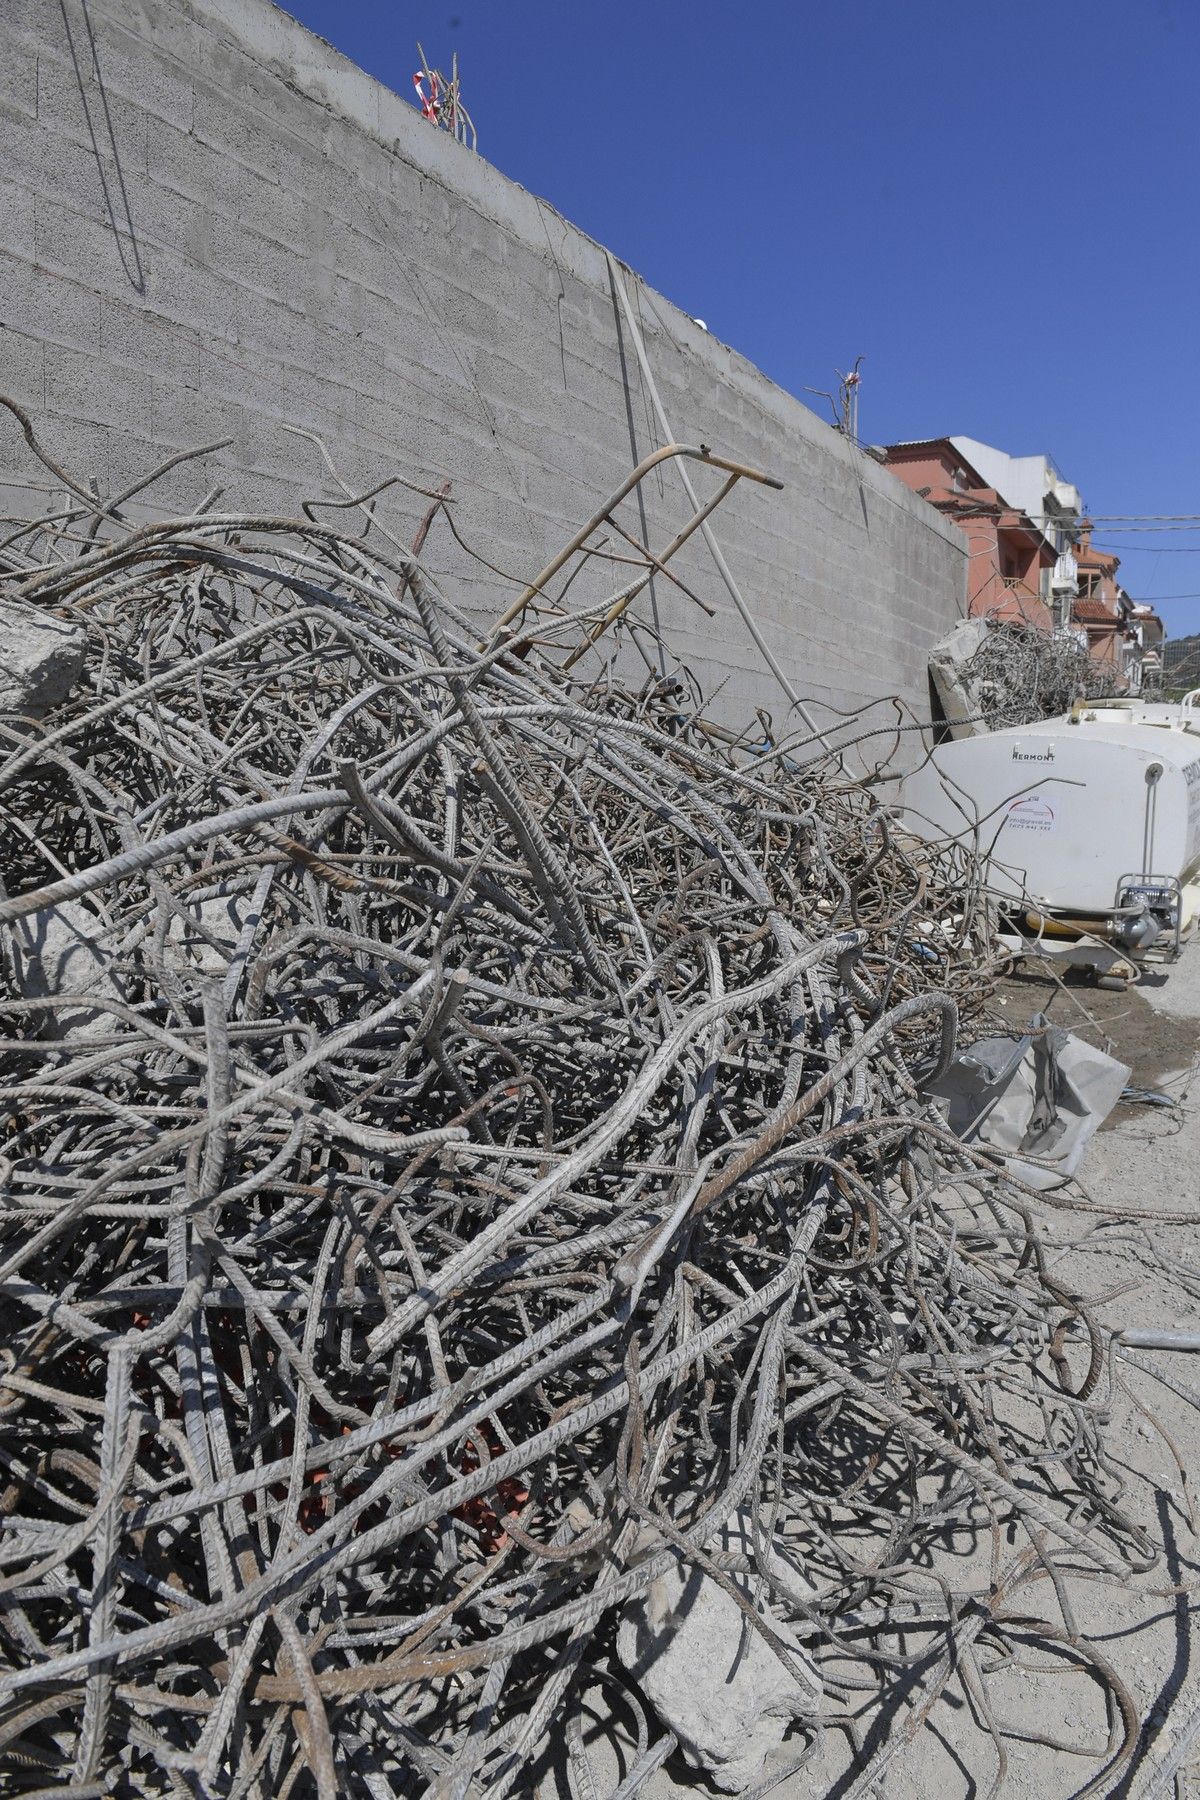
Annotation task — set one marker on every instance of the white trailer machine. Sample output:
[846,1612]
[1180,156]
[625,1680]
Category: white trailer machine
[1090,825]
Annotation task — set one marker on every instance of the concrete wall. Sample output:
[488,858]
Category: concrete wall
[213,225]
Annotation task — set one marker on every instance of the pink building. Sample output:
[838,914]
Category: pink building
[1007,550]
[1105,612]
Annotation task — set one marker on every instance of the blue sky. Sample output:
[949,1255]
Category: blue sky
[996,205]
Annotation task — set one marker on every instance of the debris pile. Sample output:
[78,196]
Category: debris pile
[1017,676]
[470,1198]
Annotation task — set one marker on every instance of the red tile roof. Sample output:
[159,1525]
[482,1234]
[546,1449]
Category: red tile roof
[1093,612]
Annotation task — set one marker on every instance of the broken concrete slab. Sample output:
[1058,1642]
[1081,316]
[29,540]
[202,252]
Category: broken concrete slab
[41,658]
[69,950]
[60,952]
[205,941]
[947,664]
[711,1677]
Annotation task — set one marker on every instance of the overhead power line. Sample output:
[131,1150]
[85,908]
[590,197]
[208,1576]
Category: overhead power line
[1107,519]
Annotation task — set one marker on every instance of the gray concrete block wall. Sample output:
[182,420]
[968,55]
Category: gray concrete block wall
[215,226]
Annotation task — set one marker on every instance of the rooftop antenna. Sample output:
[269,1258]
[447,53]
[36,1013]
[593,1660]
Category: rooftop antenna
[845,407]
[849,384]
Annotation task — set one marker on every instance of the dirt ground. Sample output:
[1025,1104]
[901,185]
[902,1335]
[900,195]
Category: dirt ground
[1129,1025]
[1136,1272]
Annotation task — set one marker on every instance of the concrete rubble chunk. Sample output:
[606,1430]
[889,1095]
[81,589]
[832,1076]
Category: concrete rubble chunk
[68,949]
[62,951]
[40,658]
[711,1678]
[206,940]
[947,663]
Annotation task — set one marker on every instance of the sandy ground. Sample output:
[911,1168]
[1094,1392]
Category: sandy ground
[1137,1273]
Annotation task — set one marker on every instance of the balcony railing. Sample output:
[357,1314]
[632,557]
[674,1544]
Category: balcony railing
[1064,577]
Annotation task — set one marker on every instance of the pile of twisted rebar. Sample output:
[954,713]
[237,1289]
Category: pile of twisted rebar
[464,1147]
[1021,676]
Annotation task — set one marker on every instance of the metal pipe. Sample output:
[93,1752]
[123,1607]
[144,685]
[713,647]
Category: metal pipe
[625,600]
[1147,1338]
[698,452]
[1068,927]
[723,569]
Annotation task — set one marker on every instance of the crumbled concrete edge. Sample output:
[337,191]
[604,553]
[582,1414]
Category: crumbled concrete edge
[41,659]
[711,1678]
[947,662]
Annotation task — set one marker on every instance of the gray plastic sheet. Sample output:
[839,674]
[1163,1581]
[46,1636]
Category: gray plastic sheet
[1042,1094]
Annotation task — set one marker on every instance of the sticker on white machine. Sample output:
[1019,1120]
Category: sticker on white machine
[1191,774]
[1030,812]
